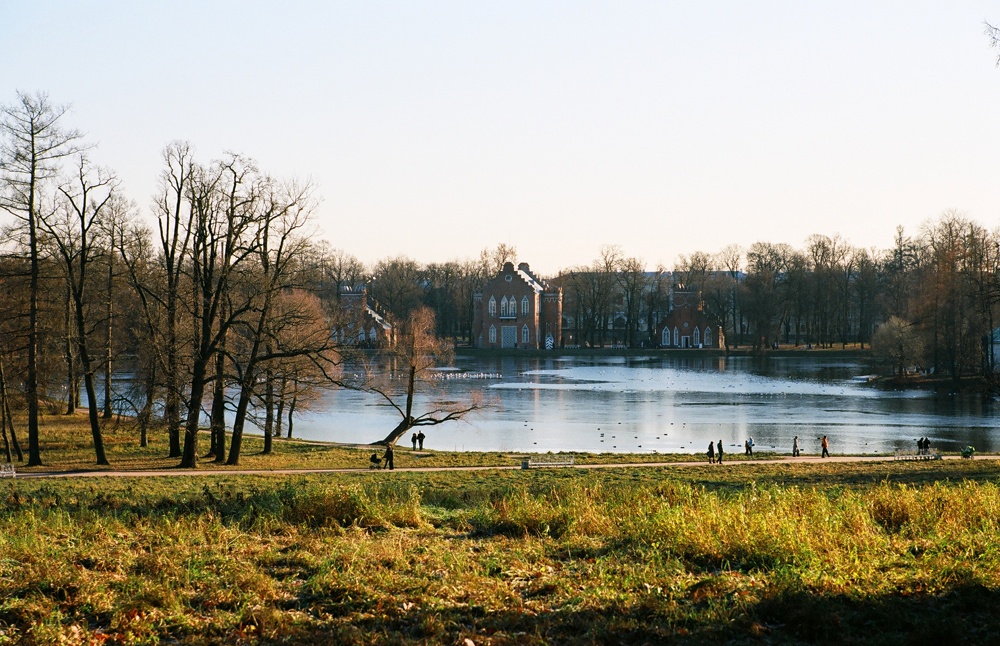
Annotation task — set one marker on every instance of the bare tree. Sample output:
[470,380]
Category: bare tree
[74,231]
[417,351]
[993,33]
[631,277]
[157,274]
[224,201]
[32,145]
[285,212]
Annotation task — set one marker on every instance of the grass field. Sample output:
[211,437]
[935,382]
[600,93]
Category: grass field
[886,553]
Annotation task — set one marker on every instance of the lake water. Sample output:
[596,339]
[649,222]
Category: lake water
[670,404]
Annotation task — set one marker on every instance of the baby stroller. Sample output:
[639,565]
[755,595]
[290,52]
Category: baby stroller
[376,461]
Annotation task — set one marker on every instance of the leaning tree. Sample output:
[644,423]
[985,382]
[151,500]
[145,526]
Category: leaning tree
[416,352]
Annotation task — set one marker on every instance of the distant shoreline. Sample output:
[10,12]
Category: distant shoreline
[849,353]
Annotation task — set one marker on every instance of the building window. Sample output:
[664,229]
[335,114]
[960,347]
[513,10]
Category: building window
[493,306]
[677,336]
[665,337]
[525,337]
[503,306]
[708,336]
[493,334]
[524,306]
[697,337]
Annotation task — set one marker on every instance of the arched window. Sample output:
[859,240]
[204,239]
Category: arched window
[708,336]
[677,336]
[493,306]
[524,306]
[525,335]
[665,337]
[696,337]
[361,336]
[503,306]
[371,334]
[493,334]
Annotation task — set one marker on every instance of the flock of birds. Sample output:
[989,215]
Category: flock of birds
[466,375]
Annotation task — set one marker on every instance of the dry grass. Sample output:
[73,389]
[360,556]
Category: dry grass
[558,556]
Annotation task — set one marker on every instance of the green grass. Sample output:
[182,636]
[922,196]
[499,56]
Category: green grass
[898,553]
[66,445]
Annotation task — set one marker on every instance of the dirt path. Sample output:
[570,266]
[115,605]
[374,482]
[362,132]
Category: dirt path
[168,473]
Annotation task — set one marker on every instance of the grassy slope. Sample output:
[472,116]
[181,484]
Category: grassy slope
[877,552]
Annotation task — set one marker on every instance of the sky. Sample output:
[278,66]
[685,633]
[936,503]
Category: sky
[434,130]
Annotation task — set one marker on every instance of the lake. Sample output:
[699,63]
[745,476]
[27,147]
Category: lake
[670,404]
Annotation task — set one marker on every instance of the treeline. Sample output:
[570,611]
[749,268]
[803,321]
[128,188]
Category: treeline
[221,298]
[938,291]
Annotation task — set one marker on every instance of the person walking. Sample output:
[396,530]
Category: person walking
[387,458]
[825,443]
[750,446]
[420,440]
[718,452]
[413,438]
[711,453]
[795,447]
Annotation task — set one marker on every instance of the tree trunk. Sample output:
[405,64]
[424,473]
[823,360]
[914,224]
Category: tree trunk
[407,422]
[240,419]
[6,442]
[172,398]
[218,434]
[268,413]
[189,455]
[279,407]
[108,348]
[5,412]
[147,408]
[71,382]
[291,411]
[95,423]
[31,387]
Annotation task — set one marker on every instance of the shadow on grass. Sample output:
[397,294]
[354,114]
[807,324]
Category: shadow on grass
[964,614]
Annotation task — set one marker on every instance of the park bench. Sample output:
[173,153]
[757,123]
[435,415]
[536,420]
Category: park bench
[915,455]
[547,461]
[7,469]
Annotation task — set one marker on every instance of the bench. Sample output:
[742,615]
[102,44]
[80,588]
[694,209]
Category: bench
[7,469]
[547,461]
[916,455]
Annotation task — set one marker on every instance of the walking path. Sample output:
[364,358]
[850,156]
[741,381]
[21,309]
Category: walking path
[616,465]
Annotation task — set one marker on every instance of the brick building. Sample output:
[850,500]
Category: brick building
[360,323]
[687,326]
[516,309]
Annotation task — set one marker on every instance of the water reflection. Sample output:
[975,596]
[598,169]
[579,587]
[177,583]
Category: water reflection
[673,404]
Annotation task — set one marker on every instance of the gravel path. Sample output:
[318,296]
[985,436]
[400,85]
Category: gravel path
[168,473]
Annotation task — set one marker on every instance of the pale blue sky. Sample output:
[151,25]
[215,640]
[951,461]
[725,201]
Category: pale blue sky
[435,129]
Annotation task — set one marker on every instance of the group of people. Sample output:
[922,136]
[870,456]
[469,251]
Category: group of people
[715,454]
[715,448]
[386,461]
[417,438]
[924,446]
